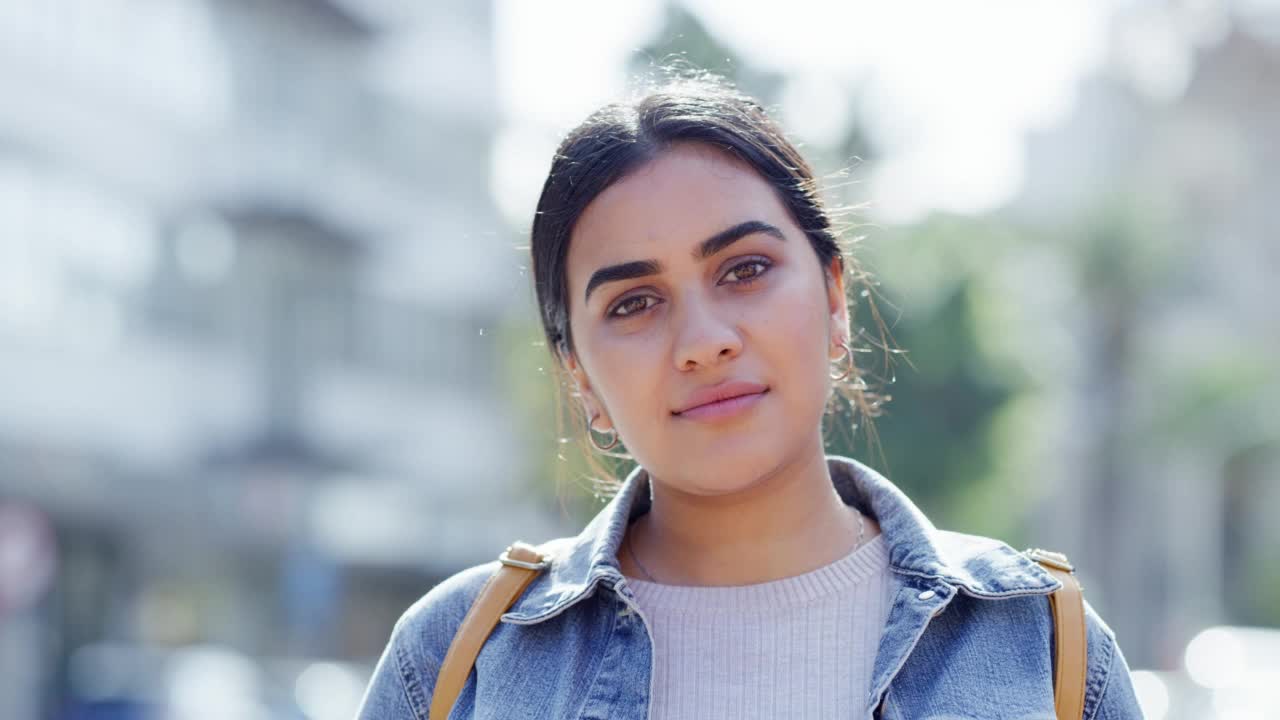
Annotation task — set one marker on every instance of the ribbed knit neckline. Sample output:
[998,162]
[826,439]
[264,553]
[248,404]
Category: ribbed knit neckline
[841,575]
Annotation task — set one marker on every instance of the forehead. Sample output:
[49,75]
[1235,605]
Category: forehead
[662,210]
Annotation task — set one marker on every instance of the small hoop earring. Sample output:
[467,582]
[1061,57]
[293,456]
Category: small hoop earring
[591,435]
[848,357]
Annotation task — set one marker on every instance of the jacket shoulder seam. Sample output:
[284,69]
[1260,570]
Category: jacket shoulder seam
[431,621]
[415,696]
[1098,686]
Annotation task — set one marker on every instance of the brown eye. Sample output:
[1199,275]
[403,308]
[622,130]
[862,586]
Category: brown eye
[631,305]
[752,270]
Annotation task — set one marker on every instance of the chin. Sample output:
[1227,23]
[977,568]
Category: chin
[719,468]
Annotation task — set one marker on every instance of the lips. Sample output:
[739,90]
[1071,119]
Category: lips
[721,391]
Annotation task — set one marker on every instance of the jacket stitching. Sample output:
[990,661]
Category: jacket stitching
[1003,593]
[548,612]
[413,692]
[471,611]
[1044,590]
[899,601]
[613,626]
[420,708]
[1099,686]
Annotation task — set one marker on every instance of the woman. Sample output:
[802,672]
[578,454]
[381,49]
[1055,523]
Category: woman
[692,286]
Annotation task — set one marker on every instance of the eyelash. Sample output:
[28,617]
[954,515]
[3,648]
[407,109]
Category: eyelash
[763,263]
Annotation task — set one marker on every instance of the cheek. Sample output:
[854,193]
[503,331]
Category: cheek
[795,328]
[796,341]
[626,373]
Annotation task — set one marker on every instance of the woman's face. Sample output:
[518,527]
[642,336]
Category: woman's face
[658,316]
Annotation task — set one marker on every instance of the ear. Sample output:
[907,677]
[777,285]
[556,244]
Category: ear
[837,303]
[590,402]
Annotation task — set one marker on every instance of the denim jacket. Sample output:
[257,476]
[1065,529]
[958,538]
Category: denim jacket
[969,633]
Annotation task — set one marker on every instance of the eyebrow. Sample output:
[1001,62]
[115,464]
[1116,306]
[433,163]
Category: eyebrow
[704,250]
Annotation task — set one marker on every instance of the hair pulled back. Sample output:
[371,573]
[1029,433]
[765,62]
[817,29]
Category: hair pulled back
[622,137]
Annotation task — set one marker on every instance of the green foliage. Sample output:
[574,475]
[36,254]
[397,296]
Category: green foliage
[530,382]
[685,44]
[959,410]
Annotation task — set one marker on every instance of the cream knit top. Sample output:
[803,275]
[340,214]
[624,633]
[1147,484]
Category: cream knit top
[798,647]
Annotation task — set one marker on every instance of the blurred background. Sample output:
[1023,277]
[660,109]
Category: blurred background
[270,366]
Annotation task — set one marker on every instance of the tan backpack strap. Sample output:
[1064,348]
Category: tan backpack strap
[521,563]
[1071,656]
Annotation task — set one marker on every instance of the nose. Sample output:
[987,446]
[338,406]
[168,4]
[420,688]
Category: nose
[704,338]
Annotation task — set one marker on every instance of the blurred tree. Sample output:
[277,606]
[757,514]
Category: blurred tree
[685,44]
[946,436]
[532,384]
[1252,570]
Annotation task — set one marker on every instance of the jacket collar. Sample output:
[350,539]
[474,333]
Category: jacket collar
[981,566]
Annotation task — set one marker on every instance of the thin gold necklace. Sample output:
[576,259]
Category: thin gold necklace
[631,551]
[862,526]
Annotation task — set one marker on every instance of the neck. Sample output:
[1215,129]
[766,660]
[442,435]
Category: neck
[789,522]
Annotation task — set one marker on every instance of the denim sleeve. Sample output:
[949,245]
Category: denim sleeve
[390,693]
[405,676]
[1119,702]
[1109,693]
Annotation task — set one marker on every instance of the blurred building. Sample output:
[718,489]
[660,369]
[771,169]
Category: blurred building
[247,261]
[1162,185]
